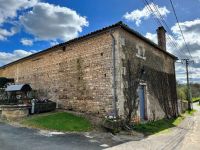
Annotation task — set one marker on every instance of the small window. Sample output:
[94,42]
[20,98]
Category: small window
[140,52]
[64,48]
[122,41]
[124,70]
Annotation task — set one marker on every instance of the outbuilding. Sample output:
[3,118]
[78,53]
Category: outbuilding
[112,71]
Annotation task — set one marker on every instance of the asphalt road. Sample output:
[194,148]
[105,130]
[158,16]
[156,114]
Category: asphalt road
[185,136]
[17,138]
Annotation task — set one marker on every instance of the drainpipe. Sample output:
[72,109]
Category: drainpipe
[114,74]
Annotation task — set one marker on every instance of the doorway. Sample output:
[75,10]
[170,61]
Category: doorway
[141,93]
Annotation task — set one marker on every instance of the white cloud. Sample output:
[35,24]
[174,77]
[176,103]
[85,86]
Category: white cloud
[5,33]
[53,43]
[8,13]
[191,31]
[138,15]
[43,20]
[26,42]
[7,57]
[49,22]
[9,8]
[194,73]
[152,37]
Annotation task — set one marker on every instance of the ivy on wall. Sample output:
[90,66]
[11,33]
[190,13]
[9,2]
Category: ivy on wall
[161,85]
[131,80]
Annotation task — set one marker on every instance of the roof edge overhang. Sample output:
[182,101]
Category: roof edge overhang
[92,34]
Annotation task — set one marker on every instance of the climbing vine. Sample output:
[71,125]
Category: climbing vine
[161,85]
[131,81]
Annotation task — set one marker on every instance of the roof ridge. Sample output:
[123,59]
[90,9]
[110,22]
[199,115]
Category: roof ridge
[118,24]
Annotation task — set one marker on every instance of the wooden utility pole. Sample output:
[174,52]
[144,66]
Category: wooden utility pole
[189,97]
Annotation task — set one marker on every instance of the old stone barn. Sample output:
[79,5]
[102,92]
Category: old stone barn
[114,70]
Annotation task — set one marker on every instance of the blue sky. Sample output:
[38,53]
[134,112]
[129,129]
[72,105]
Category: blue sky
[28,26]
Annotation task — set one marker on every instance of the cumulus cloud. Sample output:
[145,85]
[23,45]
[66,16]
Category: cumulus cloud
[26,42]
[7,57]
[43,20]
[9,8]
[152,37]
[194,73]
[191,31]
[49,22]
[6,33]
[8,13]
[143,14]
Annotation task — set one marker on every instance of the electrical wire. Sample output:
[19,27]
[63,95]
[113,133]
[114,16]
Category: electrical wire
[180,28]
[171,42]
[168,29]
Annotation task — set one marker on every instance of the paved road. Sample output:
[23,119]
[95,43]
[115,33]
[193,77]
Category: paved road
[19,138]
[14,138]
[184,137]
[192,138]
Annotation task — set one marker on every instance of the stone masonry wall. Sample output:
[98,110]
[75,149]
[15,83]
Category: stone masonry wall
[156,71]
[77,76]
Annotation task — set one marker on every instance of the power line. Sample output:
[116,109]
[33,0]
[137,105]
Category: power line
[168,28]
[180,28]
[171,42]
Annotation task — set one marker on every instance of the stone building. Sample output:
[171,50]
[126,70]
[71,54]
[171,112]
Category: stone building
[114,70]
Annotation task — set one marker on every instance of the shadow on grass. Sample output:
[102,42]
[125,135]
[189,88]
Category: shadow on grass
[157,126]
[190,112]
[154,127]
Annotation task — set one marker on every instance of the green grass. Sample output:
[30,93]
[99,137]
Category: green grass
[190,112]
[195,99]
[162,125]
[158,126]
[60,121]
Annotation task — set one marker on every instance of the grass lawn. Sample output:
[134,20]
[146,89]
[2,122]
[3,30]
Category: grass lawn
[195,99]
[158,126]
[161,125]
[60,121]
[190,112]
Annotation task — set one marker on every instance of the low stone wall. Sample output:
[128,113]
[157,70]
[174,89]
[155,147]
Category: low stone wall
[13,112]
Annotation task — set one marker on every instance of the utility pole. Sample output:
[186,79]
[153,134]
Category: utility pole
[189,97]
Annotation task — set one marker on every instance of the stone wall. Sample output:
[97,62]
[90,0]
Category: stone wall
[13,112]
[155,70]
[77,76]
